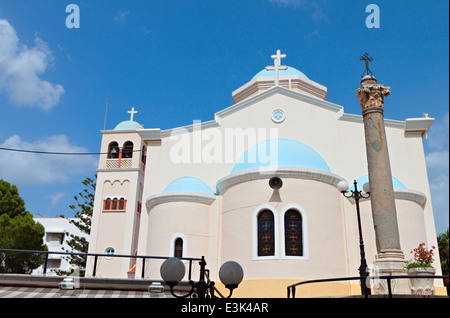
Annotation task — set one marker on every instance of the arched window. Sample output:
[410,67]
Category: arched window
[114,204]
[266,237]
[113,150]
[107,204]
[178,248]
[127,150]
[293,233]
[122,204]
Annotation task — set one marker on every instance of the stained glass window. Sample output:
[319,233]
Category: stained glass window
[293,233]
[266,241]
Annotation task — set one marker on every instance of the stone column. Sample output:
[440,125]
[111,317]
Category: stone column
[389,258]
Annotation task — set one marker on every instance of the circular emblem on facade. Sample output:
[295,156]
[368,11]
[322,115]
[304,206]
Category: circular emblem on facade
[278,116]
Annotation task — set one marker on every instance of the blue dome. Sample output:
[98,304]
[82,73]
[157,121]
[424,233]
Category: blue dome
[128,125]
[290,71]
[282,153]
[188,184]
[361,181]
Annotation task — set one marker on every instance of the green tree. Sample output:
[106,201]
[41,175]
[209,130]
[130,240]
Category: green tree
[444,253]
[83,214]
[18,230]
[10,201]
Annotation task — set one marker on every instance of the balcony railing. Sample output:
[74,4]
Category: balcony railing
[123,163]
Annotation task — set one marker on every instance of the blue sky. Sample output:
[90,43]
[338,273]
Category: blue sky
[55,81]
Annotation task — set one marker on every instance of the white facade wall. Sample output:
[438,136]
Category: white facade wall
[222,227]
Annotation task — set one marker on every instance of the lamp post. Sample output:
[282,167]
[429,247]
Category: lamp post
[172,272]
[363,271]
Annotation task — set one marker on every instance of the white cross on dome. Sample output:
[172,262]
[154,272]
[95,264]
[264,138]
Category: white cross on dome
[132,112]
[277,66]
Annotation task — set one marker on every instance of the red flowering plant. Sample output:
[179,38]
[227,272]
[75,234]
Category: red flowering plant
[422,257]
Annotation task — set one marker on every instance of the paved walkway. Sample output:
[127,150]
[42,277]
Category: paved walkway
[43,292]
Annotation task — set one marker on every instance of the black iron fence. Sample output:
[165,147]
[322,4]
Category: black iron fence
[291,289]
[46,255]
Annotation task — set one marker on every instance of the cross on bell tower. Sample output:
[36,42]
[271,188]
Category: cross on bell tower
[277,66]
[132,112]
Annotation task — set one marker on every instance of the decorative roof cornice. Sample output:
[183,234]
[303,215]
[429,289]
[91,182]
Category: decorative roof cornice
[404,194]
[161,198]
[409,125]
[280,90]
[260,84]
[266,173]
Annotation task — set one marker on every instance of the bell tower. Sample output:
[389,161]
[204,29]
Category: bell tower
[118,198]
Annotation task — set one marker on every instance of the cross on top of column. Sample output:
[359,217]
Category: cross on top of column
[132,112]
[366,58]
[277,66]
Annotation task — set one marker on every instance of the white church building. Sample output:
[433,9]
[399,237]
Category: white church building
[203,189]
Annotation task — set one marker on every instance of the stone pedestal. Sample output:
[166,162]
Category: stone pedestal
[390,258]
[390,262]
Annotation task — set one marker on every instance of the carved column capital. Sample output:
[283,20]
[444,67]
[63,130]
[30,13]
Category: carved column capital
[371,97]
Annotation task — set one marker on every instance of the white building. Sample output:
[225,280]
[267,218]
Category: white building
[56,240]
[202,190]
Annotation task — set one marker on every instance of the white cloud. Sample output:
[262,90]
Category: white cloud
[289,2]
[306,5]
[20,68]
[436,143]
[121,15]
[313,34]
[29,168]
[56,197]
[437,138]
[437,163]
[437,159]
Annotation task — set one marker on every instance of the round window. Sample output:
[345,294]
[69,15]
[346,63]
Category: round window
[110,251]
[278,116]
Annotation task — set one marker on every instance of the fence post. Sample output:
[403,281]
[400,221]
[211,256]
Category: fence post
[95,265]
[389,287]
[190,269]
[143,267]
[45,263]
